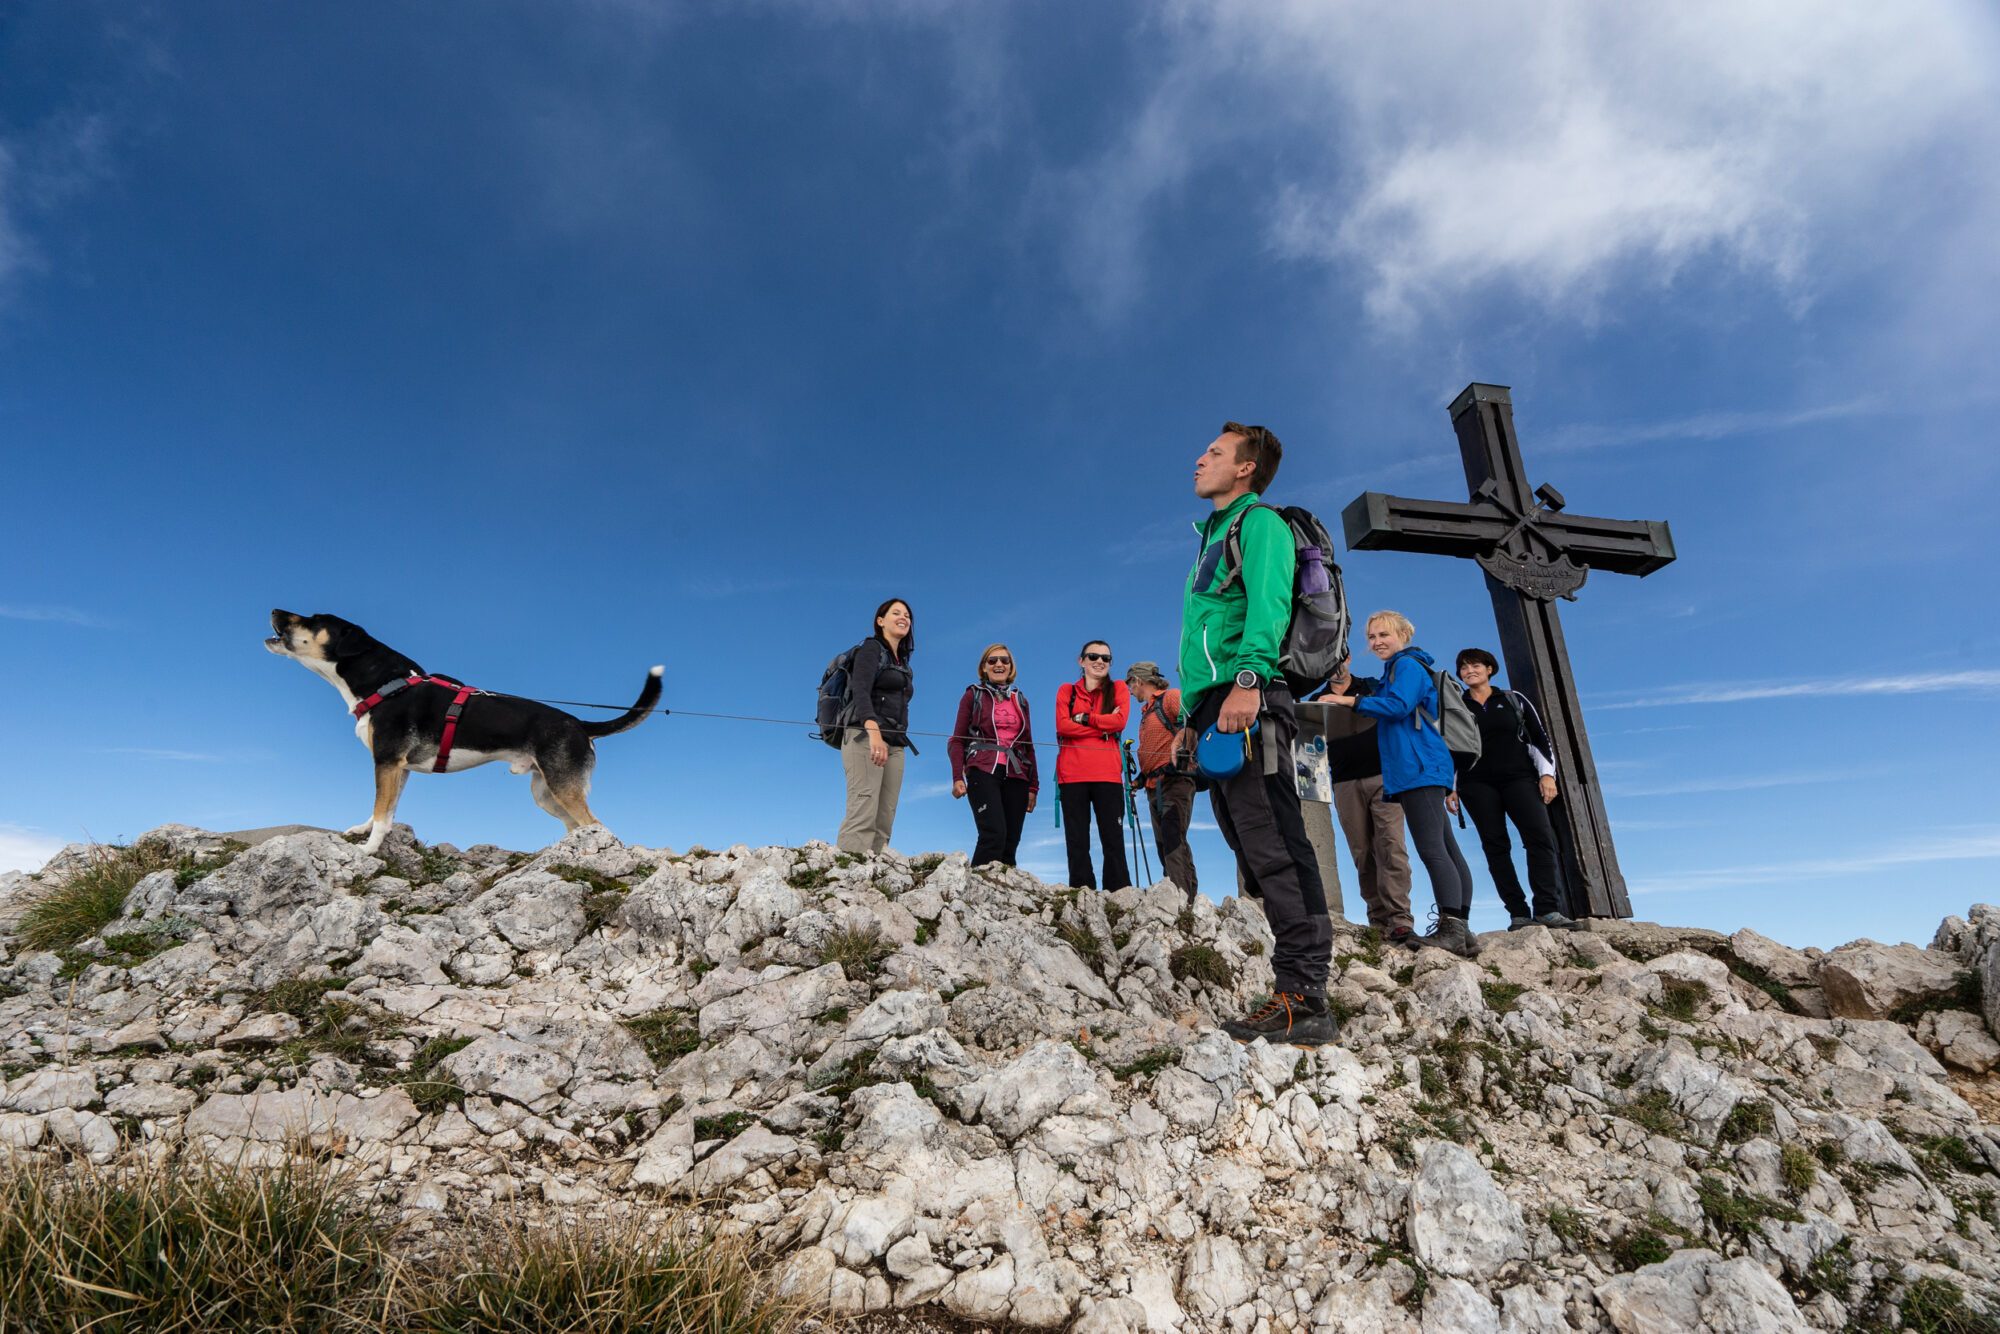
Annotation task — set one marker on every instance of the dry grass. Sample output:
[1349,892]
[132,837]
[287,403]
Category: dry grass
[299,1250]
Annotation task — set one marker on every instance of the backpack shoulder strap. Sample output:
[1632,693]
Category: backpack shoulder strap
[1232,550]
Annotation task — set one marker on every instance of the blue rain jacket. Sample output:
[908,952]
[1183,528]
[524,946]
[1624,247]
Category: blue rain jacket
[1413,754]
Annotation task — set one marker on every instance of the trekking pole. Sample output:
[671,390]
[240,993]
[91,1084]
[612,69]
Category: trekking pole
[1131,773]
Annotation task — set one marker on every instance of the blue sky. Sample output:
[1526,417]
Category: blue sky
[551,341]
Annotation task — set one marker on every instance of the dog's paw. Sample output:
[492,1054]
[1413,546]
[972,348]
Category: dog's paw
[361,828]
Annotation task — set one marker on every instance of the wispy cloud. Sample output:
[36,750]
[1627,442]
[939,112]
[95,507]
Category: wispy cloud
[156,753]
[1965,843]
[1739,783]
[930,791]
[25,849]
[16,611]
[1724,692]
[1701,426]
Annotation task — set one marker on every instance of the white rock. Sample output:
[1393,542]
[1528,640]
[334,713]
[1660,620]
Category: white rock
[1050,1077]
[1453,1306]
[1865,980]
[51,1087]
[147,1099]
[302,1111]
[505,1067]
[1215,1278]
[1361,1308]
[1697,1291]
[863,1229]
[1460,1223]
[260,1030]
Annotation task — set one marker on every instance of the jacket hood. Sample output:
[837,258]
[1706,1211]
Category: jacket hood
[1411,652]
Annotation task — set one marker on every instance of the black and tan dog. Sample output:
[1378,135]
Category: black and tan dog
[404,729]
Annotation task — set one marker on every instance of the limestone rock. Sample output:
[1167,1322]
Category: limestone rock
[1696,1291]
[303,1112]
[1865,980]
[1460,1223]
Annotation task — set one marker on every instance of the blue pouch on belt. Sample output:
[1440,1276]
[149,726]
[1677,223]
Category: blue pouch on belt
[1221,755]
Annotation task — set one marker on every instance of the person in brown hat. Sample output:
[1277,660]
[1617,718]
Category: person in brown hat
[1169,787]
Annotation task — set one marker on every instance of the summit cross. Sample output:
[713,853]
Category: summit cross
[1533,552]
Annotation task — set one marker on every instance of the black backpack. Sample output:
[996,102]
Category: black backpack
[832,710]
[1314,646]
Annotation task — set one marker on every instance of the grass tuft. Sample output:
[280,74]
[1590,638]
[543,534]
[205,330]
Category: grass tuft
[428,1088]
[298,1249]
[1500,996]
[1938,1306]
[1148,1063]
[1652,1111]
[91,897]
[1681,999]
[1735,1212]
[1201,964]
[1798,1168]
[1569,1225]
[859,953]
[1648,1242]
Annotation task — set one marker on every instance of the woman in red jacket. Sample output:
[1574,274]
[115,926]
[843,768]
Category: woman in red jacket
[1090,773]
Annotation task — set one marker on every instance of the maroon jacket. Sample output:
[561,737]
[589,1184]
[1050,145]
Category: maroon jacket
[973,741]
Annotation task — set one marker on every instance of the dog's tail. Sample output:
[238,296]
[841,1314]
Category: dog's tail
[632,717]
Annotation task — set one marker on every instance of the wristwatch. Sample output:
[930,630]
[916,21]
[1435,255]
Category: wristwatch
[1248,680]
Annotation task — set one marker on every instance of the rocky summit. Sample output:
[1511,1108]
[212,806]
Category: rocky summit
[924,1088]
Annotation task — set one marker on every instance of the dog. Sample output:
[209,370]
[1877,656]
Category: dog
[405,727]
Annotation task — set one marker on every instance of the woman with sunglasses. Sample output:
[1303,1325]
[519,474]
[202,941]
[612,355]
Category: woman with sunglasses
[993,757]
[1090,771]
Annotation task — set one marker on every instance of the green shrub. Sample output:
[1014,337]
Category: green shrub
[809,877]
[1500,996]
[91,897]
[1735,1212]
[667,1035]
[1937,1306]
[1648,1242]
[1653,1111]
[1568,1224]
[1681,999]
[1148,1063]
[1746,1121]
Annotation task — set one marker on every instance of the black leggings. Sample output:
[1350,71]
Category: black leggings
[1107,801]
[999,809]
[1430,829]
[1491,805]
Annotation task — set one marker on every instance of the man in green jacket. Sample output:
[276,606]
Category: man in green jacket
[1233,622]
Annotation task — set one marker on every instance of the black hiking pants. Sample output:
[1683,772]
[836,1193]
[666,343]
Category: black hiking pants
[1491,805]
[1107,801]
[999,810]
[1261,821]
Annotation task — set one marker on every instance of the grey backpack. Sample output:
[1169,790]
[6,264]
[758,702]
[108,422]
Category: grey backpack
[1314,647]
[1456,724]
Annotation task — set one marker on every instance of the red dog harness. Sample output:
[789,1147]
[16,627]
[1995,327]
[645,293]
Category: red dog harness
[451,714]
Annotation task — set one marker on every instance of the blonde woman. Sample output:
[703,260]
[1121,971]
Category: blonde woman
[1417,770]
[993,757]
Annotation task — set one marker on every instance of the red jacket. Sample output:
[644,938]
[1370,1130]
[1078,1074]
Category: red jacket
[1089,751]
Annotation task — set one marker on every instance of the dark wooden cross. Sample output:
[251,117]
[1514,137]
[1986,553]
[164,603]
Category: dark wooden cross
[1533,552]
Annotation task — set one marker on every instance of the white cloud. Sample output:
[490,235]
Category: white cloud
[23,849]
[1738,783]
[18,611]
[1913,683]
[1433,150]
[1951,845]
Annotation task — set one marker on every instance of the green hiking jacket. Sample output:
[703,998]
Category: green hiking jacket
[1243,626]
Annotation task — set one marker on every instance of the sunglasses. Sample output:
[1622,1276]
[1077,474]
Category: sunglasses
[1097,657]
[999,662]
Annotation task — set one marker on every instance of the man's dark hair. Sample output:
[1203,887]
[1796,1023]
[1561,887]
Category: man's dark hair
[1478,655]
[909,640]
[1260,447]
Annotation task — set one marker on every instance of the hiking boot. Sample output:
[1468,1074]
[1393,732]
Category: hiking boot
[1518,922]
[1555,921]
[1403,937]
[1287,1017]
[1454,936]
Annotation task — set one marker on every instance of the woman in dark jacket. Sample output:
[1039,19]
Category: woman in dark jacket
[1090,768]
[879,687]
[993,757]
[1514,778]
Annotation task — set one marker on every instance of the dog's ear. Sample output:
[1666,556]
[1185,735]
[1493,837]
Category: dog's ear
[346,640]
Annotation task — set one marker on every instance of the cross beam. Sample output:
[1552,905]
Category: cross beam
[1533,552]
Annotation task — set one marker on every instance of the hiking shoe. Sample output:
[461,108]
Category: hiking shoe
[1455,936]
[1555,921]
[1403,937]
[1517,922]
[1287,1017]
